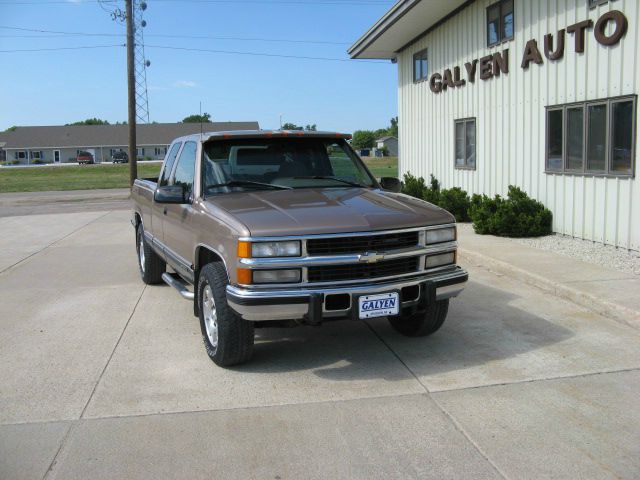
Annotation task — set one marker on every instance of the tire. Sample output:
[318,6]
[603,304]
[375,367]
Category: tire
[421,324]
[228,339]
[150,264]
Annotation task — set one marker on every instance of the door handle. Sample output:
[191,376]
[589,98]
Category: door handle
[164,210]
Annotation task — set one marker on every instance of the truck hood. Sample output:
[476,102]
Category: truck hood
[311,211]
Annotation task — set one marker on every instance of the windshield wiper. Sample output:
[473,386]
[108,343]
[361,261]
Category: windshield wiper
[247,183]
[326,177]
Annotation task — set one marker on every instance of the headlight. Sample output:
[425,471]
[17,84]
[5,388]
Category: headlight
[440,260]
[441,235]
[275,249]
[276,276]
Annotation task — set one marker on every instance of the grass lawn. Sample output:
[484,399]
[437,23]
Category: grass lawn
[85,177]
[382,167]
[90,177]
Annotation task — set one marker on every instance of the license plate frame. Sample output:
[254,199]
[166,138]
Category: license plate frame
[380,310]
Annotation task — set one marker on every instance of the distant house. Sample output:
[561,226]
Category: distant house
[61,144]
[390,143]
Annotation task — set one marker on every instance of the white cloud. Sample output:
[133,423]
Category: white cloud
[185,84]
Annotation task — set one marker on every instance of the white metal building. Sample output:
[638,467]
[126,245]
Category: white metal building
[541,94]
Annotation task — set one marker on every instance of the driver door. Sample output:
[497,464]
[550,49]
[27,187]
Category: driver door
[179,232]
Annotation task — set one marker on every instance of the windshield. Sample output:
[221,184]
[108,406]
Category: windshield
[281,163]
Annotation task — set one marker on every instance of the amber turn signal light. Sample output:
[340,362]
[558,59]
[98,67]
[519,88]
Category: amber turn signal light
[244,249]
[244,276]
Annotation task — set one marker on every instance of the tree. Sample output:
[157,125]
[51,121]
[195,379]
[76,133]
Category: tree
[11,129]
[363,139]
[293,126]
[197,118]
[381,132]
[90,121]
[393,129]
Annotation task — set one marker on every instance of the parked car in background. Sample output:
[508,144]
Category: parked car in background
[85,158]
[120,157]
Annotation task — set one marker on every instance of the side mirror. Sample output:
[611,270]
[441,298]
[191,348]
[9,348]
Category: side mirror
[391,183]
[170,194]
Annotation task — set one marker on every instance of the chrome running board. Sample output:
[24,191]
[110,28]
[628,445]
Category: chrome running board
[179,284]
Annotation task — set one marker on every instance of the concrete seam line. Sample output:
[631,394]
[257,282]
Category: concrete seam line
[63,443]
[53,243]
[610,310]
[216,410]
[396,355]
[66,438]
[319,402]
[535,380]
[461,429]
[113,351]
[445,413]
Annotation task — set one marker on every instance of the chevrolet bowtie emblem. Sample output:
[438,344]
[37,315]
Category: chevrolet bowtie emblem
[371,257]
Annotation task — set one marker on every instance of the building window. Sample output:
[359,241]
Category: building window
[140,152]
[420,66]
[36,155]
[21,155]
[162,151]
[595,3]
[499,22]
[592,138]
[465,148]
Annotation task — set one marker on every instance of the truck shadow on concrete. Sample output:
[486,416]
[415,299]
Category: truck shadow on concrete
[483,327]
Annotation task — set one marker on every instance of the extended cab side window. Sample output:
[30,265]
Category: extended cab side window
[185,169]
[168,165]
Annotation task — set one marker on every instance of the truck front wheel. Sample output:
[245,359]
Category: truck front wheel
[423,323]
[150,264]
[227,338]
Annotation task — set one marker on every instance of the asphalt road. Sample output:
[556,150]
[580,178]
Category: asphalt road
[71,201]
[102,377]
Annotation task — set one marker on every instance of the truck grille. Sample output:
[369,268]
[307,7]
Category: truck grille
[386,268]
[372,243]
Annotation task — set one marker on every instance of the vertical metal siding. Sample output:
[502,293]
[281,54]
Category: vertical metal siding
[510,113]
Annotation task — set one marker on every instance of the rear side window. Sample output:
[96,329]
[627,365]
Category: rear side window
[185,169]
[168,164]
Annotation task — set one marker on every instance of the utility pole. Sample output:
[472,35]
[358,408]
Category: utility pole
[131,80]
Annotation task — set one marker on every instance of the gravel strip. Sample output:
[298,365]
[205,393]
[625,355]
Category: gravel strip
[626,261]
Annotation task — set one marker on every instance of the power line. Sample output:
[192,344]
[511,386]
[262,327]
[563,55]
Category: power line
[60,48]
[260,54]
[202,50]
[160,35]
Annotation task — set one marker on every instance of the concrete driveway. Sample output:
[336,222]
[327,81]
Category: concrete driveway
[104,378]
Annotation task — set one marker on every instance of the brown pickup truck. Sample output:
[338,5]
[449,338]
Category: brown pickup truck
[283,228]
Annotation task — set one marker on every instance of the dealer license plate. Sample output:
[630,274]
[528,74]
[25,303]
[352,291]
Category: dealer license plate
[378,305]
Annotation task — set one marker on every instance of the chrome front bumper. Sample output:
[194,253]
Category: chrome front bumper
[309,303]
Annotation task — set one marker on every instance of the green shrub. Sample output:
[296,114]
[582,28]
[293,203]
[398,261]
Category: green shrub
[456,201]
[413,186]
[482,211]
[37,161]
[416,187]
[516,216]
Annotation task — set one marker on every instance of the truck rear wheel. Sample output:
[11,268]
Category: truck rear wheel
[150,264]
[423,323]
[227,338]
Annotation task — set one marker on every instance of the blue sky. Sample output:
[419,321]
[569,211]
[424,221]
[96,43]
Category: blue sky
[57,87]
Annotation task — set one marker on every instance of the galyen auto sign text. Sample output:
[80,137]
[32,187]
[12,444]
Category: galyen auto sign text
[553,48]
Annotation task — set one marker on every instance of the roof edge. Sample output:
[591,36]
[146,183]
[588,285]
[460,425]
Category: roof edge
[395,13]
